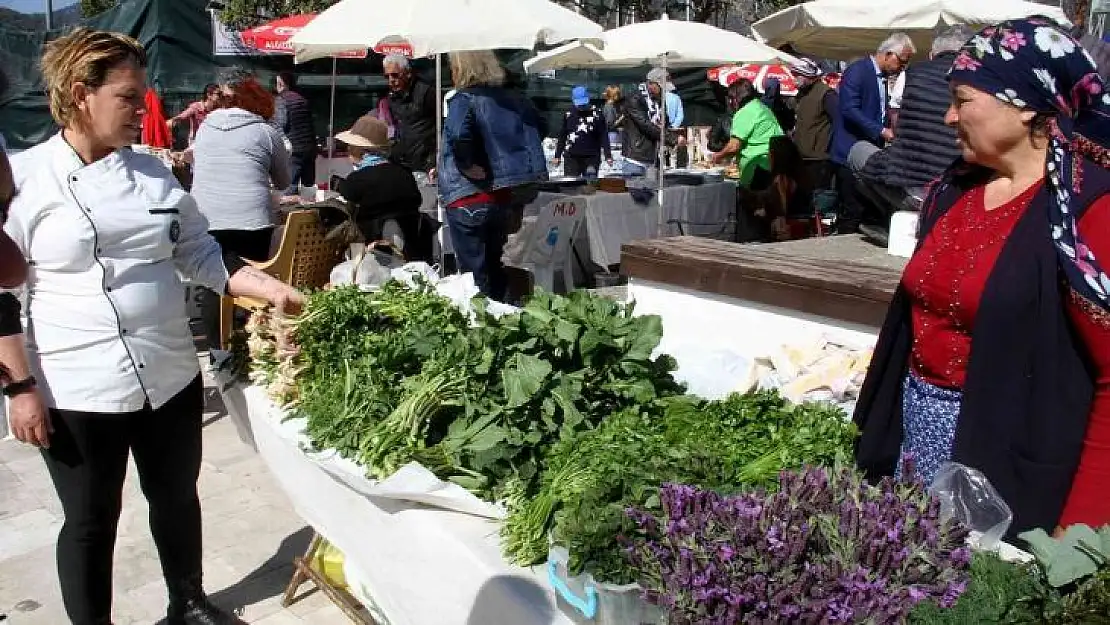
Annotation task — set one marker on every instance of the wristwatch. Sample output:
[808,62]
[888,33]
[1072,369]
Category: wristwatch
[20,387]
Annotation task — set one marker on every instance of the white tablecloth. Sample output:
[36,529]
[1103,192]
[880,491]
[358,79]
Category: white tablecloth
[422,565]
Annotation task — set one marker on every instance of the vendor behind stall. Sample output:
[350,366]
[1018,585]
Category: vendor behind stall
[996,351]
[379,190]
[753,127]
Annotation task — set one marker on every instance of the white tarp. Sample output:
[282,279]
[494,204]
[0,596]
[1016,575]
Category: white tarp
[847,29]
[662,42]
[440,26]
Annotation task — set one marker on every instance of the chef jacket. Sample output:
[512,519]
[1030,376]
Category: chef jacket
[103,307]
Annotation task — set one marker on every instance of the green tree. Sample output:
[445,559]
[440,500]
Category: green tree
[90,8]
[242,14]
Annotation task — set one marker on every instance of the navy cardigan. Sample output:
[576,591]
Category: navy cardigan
[1029,386]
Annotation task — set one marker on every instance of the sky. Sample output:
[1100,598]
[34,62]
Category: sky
[34,6]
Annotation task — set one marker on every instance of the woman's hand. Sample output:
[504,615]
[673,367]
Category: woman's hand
[286,300]
[29,419]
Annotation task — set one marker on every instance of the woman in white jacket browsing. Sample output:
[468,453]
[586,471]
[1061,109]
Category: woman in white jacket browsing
[106,367]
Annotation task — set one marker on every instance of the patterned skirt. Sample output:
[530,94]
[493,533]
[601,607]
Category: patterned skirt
[929,416]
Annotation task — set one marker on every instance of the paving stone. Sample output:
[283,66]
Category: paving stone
[329,615]
[15,497]
[251,533]
[23,533]
[281,618]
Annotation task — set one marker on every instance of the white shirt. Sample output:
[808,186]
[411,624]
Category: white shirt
[103,306]
[897,90]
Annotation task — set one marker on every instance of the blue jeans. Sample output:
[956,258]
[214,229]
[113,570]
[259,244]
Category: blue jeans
[633,169]
[302,171]
[478,236]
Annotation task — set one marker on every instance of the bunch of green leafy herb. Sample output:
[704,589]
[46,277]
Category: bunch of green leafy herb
[994,589]
[739,443]
[1072,578]
[356,350]
[558,367]
[402,375]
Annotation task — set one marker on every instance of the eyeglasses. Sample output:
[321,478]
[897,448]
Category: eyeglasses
[392,75]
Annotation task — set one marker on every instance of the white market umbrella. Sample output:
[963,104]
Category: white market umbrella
[847,29]
[440,26]
[663,43]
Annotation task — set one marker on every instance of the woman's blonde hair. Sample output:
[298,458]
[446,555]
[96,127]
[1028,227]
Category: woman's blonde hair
[86,56]
[481,67]
[612,93]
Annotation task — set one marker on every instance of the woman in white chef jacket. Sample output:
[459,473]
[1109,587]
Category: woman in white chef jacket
[106,365]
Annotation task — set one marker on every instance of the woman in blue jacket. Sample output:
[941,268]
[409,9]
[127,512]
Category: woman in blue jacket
[491,146]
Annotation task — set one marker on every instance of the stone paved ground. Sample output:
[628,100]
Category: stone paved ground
[250,530]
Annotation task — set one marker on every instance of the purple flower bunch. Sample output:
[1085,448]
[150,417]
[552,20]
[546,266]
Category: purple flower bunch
[826,548]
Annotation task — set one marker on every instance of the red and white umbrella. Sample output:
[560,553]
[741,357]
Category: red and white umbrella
[760,73]
[274,37]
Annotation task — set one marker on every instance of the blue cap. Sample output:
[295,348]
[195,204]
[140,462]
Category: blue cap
[579,96]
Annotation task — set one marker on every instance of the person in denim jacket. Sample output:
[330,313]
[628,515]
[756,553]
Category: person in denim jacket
[491,146]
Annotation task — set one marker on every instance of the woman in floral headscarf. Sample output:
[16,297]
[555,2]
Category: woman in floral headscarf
[996,350]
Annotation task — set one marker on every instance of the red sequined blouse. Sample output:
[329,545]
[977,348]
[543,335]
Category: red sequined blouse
[945,280]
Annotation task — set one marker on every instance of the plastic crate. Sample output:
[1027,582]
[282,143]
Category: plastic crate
[586,600]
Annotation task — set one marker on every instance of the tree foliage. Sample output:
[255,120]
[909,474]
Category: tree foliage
[90,8]
[242,14]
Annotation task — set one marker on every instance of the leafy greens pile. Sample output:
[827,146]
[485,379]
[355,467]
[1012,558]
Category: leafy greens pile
[741,442]
[401,375]
[1068,583]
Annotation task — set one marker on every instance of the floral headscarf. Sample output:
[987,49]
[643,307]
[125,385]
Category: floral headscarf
[1034,65]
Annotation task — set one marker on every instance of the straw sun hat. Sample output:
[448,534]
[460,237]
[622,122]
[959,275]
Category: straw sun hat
[368,132]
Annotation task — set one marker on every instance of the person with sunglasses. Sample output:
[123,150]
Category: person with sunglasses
[412,106]
[863,116]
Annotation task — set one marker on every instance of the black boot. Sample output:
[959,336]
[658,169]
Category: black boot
[190,606]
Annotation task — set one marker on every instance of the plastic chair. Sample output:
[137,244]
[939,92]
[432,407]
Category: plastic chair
[304,260]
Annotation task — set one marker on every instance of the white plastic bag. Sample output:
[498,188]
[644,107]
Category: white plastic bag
[410,272]
[968,496]
[372,270]
[709,373]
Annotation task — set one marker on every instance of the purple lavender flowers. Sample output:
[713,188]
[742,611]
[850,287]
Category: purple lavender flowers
[826,548]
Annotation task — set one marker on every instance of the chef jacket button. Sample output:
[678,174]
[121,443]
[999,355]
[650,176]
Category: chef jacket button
[123,330]
[142,366]
[99,251]
[73,178]
[108,288]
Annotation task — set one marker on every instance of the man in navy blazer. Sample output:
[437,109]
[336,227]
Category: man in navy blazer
[863,113]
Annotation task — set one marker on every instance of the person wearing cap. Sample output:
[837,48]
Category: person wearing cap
[816,108]
[380,189]
[640,119]
[583,137]
[658,80]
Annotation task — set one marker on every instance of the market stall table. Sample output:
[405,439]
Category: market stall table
[614,219]
[410,564]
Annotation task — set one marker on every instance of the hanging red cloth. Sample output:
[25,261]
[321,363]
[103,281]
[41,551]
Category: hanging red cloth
[156,132]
